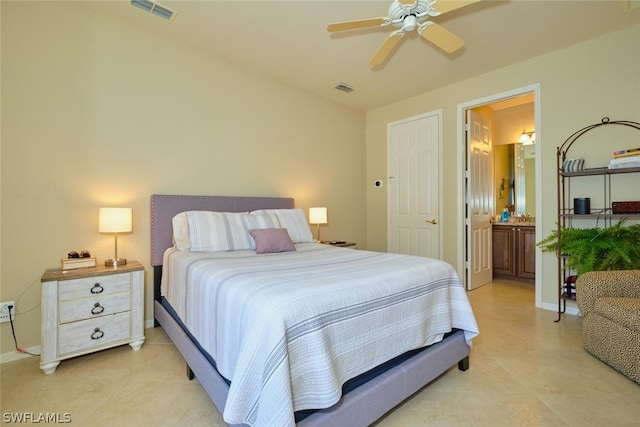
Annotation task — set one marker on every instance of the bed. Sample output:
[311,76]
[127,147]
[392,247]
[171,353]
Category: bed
[309,368]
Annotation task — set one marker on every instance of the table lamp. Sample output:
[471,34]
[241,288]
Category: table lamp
[115,220]
[318,216]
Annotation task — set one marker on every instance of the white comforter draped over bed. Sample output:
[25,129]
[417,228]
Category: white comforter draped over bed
[289,329]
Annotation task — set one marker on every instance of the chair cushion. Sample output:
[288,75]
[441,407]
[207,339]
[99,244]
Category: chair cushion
[624,311]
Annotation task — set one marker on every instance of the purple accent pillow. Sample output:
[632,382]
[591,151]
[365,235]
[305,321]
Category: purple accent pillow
[272,240]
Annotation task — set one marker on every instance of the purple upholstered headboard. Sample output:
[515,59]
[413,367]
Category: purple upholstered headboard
[165,207]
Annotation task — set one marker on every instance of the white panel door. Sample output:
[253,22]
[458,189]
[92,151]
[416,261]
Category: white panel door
[479,199]
[413,194]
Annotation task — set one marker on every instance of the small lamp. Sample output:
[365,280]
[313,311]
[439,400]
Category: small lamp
[115,220]
[318,216]
[527,138]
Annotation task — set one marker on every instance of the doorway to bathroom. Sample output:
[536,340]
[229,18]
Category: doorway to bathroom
[500,170]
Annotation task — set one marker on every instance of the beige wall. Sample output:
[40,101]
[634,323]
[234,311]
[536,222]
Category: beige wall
[96,112]
[578,86]
[510,122]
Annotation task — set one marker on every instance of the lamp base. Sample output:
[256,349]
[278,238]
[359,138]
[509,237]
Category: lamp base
[115,262]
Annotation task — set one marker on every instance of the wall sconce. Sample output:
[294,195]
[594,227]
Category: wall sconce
[318,216]
[527,138]
[115,220]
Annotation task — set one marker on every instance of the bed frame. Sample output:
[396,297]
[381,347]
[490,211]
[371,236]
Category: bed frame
[362,405]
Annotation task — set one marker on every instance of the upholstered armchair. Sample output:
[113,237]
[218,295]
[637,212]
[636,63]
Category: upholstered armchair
[609,302]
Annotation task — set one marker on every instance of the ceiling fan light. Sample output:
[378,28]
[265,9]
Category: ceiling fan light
[406,16]
[410,23]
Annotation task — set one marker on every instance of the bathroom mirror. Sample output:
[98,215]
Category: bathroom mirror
[525,183]
[515,178]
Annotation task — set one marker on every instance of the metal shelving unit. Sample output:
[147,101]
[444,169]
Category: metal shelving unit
[566,214]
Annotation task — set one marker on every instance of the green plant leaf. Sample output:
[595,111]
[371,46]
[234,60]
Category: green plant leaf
[592,249]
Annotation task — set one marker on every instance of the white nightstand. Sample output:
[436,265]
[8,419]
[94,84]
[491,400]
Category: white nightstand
[90,309]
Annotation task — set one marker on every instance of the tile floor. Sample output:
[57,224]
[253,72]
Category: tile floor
[525,370]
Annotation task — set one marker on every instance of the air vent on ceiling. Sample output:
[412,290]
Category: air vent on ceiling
[343,87]
[154,9]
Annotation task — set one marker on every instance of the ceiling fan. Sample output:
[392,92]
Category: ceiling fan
[407,15]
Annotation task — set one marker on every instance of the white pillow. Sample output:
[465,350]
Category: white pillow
[217,231]
[181,232]
[260,222]
[294,220]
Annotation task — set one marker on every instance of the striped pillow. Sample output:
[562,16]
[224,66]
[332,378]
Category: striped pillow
[259,222]
[294,220]
[217,231]
[181,231]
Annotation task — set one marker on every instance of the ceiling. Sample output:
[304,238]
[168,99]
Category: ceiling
[288,41]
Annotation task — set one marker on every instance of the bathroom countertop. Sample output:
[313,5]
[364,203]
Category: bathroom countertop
[521,224]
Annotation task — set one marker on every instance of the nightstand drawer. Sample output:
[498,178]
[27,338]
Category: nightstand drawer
[78,336]
[94,286]
[87,308]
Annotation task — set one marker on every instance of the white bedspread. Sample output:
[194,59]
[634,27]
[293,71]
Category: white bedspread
[289,329]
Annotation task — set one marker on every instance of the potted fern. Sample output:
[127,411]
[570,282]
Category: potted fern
[593,249]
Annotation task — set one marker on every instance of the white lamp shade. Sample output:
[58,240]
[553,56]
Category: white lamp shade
[114,220]
[318,215]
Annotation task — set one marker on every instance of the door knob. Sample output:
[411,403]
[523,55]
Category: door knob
[433,221]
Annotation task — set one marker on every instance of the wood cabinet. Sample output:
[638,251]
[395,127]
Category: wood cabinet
[90,309]
[514,251]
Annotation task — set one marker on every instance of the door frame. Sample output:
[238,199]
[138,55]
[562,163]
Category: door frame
[462,148]
[437,113]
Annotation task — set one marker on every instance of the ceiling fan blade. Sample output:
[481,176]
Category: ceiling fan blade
[386,48]
[351,25]
[444,6]
[442,37]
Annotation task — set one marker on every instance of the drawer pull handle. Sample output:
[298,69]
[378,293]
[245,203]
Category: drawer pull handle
[97,334]
[97,289]
[97,308]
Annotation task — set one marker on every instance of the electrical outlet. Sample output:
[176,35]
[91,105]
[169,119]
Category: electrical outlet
[4,311]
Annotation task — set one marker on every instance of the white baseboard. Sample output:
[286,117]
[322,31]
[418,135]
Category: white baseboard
[570,309]
[16,355]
